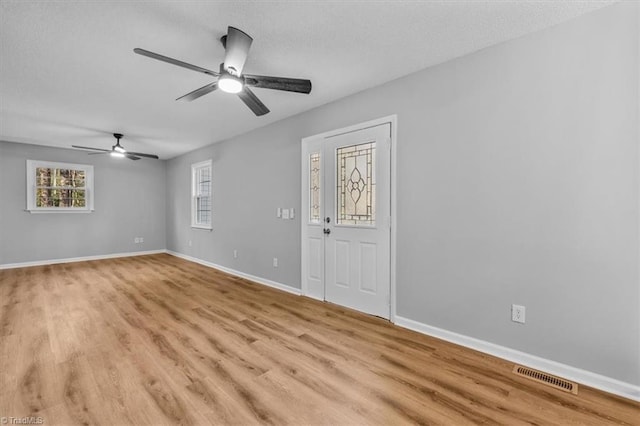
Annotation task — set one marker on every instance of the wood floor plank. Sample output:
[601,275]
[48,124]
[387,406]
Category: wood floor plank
[157,340]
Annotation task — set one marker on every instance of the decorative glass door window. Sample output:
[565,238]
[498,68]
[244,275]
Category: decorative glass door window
[356,184]
[314,188]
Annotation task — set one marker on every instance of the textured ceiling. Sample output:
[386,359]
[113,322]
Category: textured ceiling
[68,74]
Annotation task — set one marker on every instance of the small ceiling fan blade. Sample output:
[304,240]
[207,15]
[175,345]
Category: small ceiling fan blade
[130,156]
[278,83]
[252,101]
[237,46]
[199,92]
[140,154]
[88,147]
[174,62]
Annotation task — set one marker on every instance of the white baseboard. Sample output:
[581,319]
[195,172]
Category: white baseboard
[79,259]
[585,377]
[250,277]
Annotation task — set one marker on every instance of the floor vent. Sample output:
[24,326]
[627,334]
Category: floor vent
[546,379]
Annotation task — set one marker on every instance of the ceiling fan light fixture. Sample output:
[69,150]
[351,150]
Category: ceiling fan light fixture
[231,78]
[230,83]
[117,150]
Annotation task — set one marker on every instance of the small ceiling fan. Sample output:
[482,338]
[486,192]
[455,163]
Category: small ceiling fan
[230,77]
[117,150]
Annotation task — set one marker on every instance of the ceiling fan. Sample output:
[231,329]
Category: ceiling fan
[230,77]
[117,150]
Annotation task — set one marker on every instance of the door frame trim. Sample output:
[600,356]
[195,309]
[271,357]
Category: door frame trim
[393,121]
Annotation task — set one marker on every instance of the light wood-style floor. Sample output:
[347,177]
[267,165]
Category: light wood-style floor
[158,340]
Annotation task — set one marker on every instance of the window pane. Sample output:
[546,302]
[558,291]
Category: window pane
[43,176]
[77,179]
[314,188]
[46,177]
[203,181]
[56,197]
[78,198]
[203,210]
[356,184]
[58,178]
[43,197]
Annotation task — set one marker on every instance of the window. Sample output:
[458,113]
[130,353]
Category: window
[201,195]
[59,187]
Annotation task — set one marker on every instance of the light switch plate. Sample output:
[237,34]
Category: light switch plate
[285,213]
[278,212]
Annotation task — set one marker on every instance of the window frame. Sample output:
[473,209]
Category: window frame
[33,165]
[195,185]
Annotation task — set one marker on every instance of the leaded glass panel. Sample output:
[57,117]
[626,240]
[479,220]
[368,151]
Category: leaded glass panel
[356,184]
[314,188]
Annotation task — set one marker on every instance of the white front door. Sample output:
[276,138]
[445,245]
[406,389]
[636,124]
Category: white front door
[346,240]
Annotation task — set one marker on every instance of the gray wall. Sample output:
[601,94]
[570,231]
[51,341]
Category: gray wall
[129,202]
[249,181]
[517,183]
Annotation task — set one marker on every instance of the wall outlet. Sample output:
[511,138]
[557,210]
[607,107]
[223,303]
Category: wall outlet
[275,262]
[517,313]
[190,244]
[136,240]
[235,254]
[285,213]
[141,239]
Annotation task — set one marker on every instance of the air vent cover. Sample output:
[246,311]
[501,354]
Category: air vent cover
[547,379]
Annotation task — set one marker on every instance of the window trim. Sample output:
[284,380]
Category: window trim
[31,167]
[194,169]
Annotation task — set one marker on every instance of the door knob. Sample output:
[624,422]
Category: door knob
[328,219]
[327,231]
